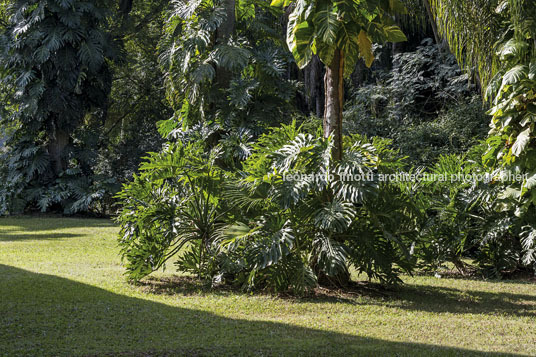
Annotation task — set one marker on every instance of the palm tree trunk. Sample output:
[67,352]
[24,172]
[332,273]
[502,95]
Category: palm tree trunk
[334,88]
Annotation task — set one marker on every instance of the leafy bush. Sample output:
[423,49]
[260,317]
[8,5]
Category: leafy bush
[172,207]
[55,77]
[236,79]
[470,218]
[450,205]
[512,137]
[264,227]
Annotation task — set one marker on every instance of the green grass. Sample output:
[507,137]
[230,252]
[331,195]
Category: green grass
[62,293]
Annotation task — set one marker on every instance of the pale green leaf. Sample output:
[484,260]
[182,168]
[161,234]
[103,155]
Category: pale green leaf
[365,48]
[521,143]
[527,119]
[280,3]
[394,34]
[300,43]
[531,182]
[515,75]
[532,70]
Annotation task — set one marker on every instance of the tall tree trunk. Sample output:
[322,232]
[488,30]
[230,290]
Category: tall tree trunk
[125,6]
[58,141]
[226,29]
[223,34]
[313,87]
[334,88]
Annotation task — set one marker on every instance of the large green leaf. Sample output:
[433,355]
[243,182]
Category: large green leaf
[300,43]
[532,70]
[280,3]
[326,23]
[325,52]
[394,34]
[515,75]
[521,143]
[531,181]
[351,56]
[365,48]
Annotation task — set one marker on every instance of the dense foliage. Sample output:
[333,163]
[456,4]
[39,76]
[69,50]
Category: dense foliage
[226,67]
[260,143]
[508,74]
[426,94]
[54,55]
[290,217]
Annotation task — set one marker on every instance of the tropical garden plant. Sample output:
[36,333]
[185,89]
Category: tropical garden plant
[339,33]
[507,73]
[290,219]
[54,57]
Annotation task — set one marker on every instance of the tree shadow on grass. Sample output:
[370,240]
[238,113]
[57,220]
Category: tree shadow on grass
[46,223]
[409,297]
[15,236]
[47,315]
[188,285]
[450,300]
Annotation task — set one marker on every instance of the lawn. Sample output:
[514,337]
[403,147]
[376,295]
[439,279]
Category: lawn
[62,293]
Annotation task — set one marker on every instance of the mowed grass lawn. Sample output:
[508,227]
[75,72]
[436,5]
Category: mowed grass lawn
[62,293]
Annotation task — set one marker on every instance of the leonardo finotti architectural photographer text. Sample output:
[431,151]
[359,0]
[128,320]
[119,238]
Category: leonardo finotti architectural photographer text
[407,177]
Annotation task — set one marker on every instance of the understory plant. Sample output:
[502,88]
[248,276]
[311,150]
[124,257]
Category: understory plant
[172,209]
[424,103]
[467,218]
[495,41]
[291,219]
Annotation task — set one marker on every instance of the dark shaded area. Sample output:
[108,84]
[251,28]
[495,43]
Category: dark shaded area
[442,299]
[186,285]
[408,297]
[43,223]
[47,315]
[13,236]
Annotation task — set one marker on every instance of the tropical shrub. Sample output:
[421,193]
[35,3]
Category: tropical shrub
[172,208]
[449,202]
[466,218]
[494,40]
[292,218]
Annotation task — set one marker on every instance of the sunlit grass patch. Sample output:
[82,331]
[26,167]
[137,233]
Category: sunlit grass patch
[62,292]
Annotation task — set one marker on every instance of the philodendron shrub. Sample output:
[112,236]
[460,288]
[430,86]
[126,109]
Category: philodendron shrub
[290,219]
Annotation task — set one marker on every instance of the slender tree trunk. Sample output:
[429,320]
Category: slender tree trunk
[226,29]
[432,21]
[333,109]
[125,6]
[313,85]
[223,34]
[334,88]
[59,139]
